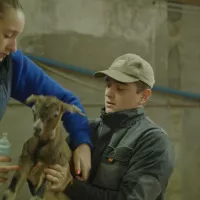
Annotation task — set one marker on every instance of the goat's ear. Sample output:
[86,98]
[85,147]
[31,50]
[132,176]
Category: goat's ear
[72,109]
[31,99]
[53,135]
[77,110]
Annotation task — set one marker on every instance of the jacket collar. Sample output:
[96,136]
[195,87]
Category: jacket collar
[121,119]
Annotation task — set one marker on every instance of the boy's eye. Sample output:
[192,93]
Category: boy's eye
[120,89]
[8,35]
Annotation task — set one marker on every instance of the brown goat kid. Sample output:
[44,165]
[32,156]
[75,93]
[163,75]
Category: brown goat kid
[47,146]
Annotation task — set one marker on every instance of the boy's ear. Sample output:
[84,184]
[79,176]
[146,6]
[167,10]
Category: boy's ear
[145,96]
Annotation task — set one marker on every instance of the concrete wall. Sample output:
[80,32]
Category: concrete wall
[183,70]
[91,33]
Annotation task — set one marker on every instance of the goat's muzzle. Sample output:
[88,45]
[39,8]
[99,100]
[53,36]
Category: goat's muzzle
[38,127]
[37,131]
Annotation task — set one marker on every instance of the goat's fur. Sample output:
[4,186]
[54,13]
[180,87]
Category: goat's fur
[48,145]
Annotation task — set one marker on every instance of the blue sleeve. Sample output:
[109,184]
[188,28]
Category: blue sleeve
[29,79]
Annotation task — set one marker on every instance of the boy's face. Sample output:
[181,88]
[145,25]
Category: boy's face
[122,96]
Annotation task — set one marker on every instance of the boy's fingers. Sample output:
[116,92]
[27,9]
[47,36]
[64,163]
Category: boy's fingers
[57,168]
[80,178]
[77,166]
[13,168]
[2,179]
[5,159]
[8,168]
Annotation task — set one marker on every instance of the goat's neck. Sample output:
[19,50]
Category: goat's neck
[49,149]
[52,137]
[57,136]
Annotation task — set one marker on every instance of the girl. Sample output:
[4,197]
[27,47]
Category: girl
[20,77]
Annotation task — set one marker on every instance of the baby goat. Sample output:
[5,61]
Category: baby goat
[47,146]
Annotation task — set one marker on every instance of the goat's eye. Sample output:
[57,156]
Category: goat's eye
[55,115]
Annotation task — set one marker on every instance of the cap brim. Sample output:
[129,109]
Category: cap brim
[119,76]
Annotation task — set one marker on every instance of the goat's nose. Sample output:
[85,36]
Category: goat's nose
[38,126]
[37,131]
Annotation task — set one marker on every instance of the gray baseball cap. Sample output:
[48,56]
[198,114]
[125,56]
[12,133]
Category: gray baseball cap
[129,68]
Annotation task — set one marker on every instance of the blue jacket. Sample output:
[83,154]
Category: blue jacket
[29,79]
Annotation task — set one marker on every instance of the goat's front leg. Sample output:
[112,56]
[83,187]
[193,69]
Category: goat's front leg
[41,188]
[19,178]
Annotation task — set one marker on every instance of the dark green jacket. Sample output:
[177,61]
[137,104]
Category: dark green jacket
[133,159]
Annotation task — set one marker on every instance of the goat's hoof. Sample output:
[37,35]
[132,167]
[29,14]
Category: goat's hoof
[8,195]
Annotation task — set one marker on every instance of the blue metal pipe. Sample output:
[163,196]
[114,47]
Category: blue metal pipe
[61,65]
[177,92]
[86,71]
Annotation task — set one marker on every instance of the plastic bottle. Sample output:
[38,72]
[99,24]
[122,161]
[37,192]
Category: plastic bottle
[5,150]
[5,145]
